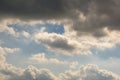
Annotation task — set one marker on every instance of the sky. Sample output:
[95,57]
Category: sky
[59,39]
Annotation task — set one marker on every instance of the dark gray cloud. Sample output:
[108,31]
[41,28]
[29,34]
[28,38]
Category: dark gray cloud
[98,14]
[32,8]
[41,9]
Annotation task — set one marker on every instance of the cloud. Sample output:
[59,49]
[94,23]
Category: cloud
[25,34]
[88,24]
[10,50]
[73,65]
[10,72]
[4,27]
[98,15]
[4,51]
[89,72]
[97,21]
[32,73]
[4,66]
[69,43]
[61,43]
[32,8]
[41,58]
[87,17]
[2,77]
[2,58]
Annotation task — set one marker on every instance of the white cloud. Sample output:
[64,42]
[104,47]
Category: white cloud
[4,51]
[73,65]
[3,64]
[41,58]
[69,43]
[61,43]
[89,72]
[2,58]
[10,50]
[10,72]
[111,40]
[30,73]
[25,34]
[4,26]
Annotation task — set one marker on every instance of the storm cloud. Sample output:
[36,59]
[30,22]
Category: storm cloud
[88,17]
[32,8]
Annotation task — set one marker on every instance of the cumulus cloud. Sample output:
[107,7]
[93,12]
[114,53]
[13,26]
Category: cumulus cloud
[4,51]
[25,34]
[89,72]
[4,66]
[30,73]
[69,44]
[61,43]
[41,58]
[5,28]
[10,72]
